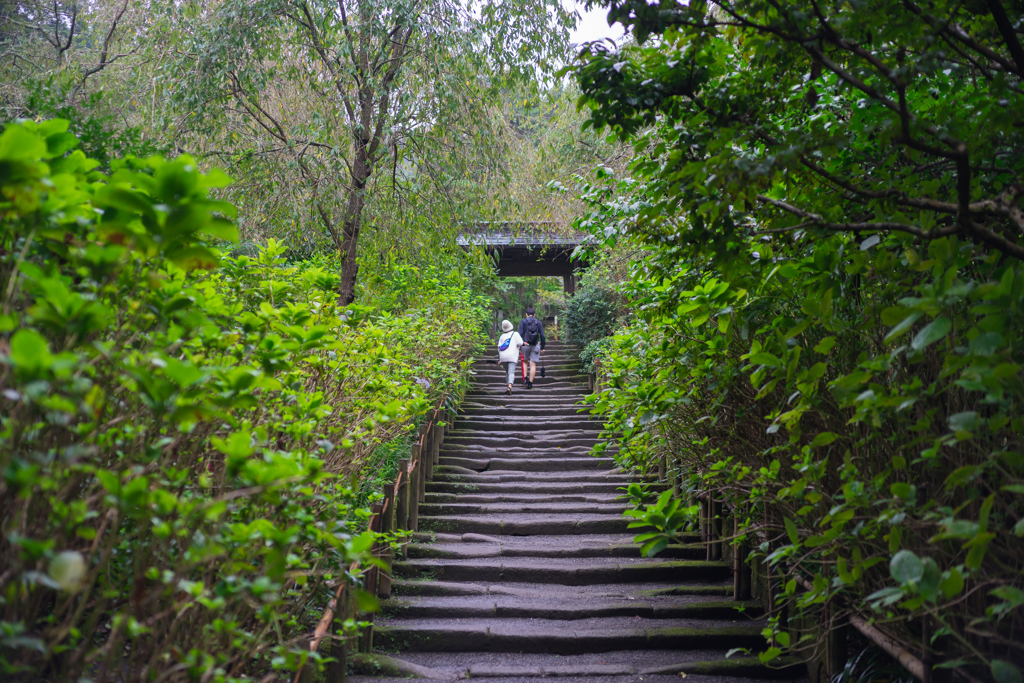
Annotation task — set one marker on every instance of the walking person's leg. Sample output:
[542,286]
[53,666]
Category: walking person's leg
[510,370]
[533,356]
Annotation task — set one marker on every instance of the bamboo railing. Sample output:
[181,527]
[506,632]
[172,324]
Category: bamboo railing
[398,512]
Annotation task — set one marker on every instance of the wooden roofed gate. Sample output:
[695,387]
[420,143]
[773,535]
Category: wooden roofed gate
[530,248]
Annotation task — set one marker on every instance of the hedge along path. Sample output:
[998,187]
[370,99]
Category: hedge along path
[523,565]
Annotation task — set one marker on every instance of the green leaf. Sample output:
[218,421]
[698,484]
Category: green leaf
[930,580]
[19,144]
[907,323]
[1004,672]
[964,422]
[952,583]
[366,601]
[986,344]
[931,333]
[764,358]
[791,531]
[30,352]
[824,439]
[825,345]
[906,567]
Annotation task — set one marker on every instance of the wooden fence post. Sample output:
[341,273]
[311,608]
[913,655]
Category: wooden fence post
[387,525]
[435,448]
[741,570]
[717,528]
[337,670]
[402,509]
[414,487]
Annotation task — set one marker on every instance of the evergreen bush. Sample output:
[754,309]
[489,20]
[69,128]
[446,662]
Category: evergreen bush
[180,430]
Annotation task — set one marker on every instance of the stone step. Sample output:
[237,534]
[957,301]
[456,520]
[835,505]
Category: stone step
[520,451]
[513,439]
[450,473]
[562,572]
[497,408]
[523,425]
[448,509]
[467,551]
[527,636]
[581,498]
[526,525]
[670,666]
[565,373]
[430,588]
[560,390]
[525,487]
[564,608]
[526,464]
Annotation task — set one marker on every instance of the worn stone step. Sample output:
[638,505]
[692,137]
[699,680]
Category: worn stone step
[521,497]
[433,510]
[716,668]
[546,464]
[466,551]
[526,525]
[527,449]
[525,487]
[432,588]
[521,396]
[522,425]
[495,407]
[564,608]
[505,440]
[564,573]
[455,473]
[528,636]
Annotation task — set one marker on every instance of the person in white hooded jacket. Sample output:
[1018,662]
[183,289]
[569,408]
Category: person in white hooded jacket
[508,351]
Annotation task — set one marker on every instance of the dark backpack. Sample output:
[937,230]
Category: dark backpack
[532,331]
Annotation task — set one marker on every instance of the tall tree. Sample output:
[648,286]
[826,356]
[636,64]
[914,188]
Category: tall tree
[332,90]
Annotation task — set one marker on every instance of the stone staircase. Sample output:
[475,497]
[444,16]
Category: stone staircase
[523,566]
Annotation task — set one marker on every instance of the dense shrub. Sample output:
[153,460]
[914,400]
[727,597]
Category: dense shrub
[829,301]
[593,354]
[178,429]
[588,315]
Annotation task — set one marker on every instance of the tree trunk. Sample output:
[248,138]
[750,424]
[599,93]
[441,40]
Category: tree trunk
[351,224]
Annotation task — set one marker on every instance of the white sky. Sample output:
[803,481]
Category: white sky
[593,25]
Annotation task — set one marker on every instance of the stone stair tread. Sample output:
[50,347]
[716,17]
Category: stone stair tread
[580,666]
[522,497]
[608,476]
[558,638]
[480,550]
[574,563]
[519,625]
[476,508]
[564,607]
[640,591]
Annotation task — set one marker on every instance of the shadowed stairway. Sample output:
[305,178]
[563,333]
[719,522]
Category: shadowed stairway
[523,566]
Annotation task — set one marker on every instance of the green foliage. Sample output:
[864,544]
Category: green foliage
[589,315]
[830,299]
[594,353]
[179,428]
[667,517]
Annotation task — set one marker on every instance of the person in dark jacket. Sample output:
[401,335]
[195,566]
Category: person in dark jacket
[532,331]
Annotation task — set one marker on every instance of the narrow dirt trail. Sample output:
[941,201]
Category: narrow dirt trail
[523,566]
